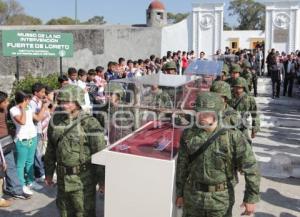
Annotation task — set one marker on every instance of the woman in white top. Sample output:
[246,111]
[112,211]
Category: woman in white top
[26,140]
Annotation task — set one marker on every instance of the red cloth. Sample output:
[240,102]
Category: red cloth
[143,142]
[190,99]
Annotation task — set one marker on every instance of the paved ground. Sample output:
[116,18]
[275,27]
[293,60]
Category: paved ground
[278,152]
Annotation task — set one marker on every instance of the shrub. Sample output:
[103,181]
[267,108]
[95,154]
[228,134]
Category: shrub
[26,83]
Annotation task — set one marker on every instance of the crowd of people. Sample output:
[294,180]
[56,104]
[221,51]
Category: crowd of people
[283,68]
[23,164]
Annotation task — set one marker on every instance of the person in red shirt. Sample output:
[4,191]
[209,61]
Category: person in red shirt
[184,61]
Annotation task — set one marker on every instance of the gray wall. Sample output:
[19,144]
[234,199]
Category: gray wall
[93,46]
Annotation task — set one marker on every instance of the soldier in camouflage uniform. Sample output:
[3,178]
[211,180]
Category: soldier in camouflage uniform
[246,106]
[230,118]
[247,74]
[121,117]
[224,73]
[158,98]
[203,180]
[72,139]
[160,101]
[235,73]
[170,68]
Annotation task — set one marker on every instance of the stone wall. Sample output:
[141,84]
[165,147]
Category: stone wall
[93,46]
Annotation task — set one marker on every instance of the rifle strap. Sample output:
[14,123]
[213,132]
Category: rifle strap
[205,146]
[239,101]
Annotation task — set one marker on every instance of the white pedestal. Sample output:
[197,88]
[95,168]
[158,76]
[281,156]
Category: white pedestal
[137,186]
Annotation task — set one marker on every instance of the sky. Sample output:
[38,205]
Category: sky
[114,11]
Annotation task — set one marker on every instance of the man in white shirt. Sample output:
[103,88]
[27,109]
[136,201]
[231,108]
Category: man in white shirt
[202,56]
[39,114]
[26,141]
[72,74]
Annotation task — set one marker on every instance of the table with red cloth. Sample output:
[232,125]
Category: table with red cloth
[144,141]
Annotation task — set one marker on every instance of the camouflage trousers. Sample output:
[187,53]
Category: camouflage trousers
[206,213]
[246,133]
[80,203]
[201,204]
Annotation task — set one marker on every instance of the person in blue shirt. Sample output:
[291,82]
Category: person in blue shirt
[111,73]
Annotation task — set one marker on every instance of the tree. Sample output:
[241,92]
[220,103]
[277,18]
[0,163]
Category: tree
[251,15]
[176,18]
[226,26]
[96,20]
[9,8]
[61,21]
[3,9]
[23,19]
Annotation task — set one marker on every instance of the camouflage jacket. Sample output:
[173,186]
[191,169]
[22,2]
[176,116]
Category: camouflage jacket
[229,81]
[215,166]
[161,99]
[75,148]
[248,77]
[245,105]
[231,118]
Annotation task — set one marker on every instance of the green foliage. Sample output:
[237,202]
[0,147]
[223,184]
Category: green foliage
[251,15]
[176,18]
[96,20]
[23,19]
[8,9]
[26,83]
[61,21]
[226,26]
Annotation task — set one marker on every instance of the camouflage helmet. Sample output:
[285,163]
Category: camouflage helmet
[236,68]
[114,88]
[240,82]
[246,64]
[71,93]
[209,101]
[225,69]
[222,88]
[170,65]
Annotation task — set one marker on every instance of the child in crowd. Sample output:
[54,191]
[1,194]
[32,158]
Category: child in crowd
[82,79]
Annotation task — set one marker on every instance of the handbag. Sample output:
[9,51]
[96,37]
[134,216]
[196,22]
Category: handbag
[7,143]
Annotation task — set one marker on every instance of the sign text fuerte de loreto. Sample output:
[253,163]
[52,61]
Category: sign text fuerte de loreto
[37,44]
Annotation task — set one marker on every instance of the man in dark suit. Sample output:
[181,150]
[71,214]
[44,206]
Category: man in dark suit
[276,72]
[270,60]
[289,76]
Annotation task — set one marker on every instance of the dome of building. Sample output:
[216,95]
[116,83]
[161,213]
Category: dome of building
[156,5]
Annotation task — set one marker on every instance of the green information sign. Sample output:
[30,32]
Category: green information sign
[37,44]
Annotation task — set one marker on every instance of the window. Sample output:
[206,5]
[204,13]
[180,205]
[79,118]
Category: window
[234,45]
[160,15]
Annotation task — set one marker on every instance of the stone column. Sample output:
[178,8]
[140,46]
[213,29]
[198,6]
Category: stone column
[207,27]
